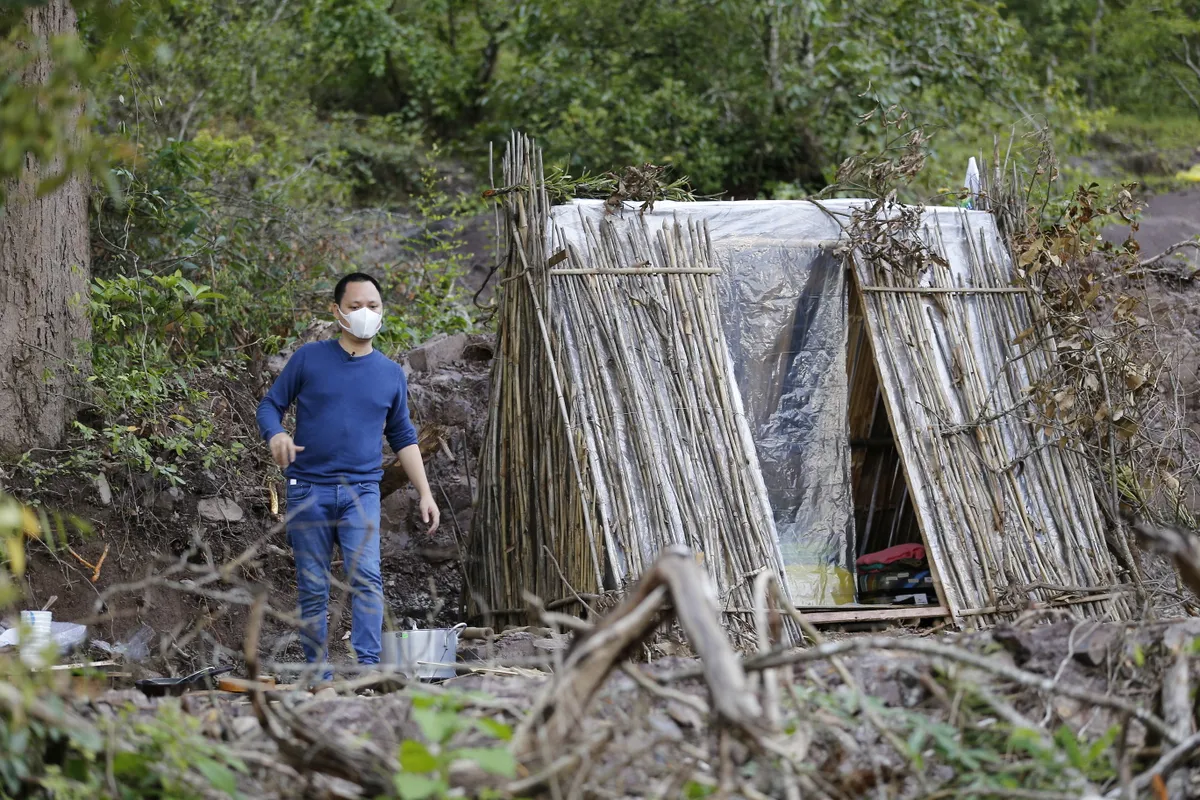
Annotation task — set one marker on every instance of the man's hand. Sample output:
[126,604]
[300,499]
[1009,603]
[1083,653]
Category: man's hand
[429,513]
[284,450]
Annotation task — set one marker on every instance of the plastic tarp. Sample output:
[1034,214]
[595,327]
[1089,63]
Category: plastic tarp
[783,303]
[67,635]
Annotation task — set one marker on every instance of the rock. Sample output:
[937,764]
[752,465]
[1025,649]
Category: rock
[1093,648]
[167,499]
[1015,641]
[457,411]
[207,484]
[482,347]
[685,715]
[437,353]
[276,363]
[244,726]
[665,726]
[219,509]
[103,489]
[142,482]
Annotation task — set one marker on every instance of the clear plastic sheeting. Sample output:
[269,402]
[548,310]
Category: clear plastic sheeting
[783,306]
[789,352]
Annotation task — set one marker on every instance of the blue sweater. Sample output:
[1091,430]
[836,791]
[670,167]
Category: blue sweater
[343,403]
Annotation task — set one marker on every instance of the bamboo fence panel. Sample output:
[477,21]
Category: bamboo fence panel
[615,427]
[1007,513]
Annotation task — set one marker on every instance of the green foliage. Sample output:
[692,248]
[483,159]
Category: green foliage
[163,755]
[1126,54]
[50,119]
[605,83]
[241,134]
[693,790]
[425,766]
[985,755]
[147,331]
[421,292]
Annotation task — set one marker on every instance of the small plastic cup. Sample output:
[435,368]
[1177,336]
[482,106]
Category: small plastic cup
[34,637]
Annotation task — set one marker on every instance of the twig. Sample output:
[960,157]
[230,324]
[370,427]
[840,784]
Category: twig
[99,564]
[84,561]
[525,786]
[768,580]
[664,692]
[675,574]
[926,648]
[1149,262]
[1170,759]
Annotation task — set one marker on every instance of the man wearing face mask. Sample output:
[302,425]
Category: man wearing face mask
[346,394]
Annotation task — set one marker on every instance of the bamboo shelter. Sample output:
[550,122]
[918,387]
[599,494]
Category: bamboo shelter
[779,385]
[616,428]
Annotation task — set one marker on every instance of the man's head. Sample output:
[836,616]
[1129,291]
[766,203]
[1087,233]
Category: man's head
[353,293]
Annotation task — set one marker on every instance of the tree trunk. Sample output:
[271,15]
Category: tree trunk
[45,264]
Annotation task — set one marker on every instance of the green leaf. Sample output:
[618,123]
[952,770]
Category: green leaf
[417,787]
[915,742]
[494,728]
[1025,739]
[1102,744]
[494,760]
[129,765]
[218,775]
[438,726]
[52,184]
[415,757]
[424,701]
[1070,745]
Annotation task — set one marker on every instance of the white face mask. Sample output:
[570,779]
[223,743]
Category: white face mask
[363,323]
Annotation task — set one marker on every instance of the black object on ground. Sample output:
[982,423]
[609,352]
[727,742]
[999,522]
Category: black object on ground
[173,687]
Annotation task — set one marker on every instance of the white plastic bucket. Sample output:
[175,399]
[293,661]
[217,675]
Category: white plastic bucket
[426,654]
[34,637]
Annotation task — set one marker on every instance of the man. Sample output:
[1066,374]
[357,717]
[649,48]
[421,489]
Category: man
[346,394]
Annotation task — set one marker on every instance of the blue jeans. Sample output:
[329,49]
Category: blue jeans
[318,516]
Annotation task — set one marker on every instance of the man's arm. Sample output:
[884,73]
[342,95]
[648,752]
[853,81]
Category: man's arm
[402,436]
[275,404]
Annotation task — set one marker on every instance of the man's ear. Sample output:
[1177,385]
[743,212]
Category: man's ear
[333,309]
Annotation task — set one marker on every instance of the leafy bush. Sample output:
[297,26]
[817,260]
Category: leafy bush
[47,752]
[422,293]
[425,767]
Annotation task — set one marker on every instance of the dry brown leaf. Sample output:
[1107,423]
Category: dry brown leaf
[1134,379]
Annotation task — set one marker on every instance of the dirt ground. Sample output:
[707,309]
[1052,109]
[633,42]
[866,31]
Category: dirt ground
[648,732]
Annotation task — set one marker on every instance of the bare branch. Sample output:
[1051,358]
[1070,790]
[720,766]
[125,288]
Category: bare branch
[1041,683]
[1149,262]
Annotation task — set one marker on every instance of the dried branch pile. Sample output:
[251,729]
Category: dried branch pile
[616,430]
[1063,710]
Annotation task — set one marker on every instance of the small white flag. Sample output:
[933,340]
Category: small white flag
[973,184]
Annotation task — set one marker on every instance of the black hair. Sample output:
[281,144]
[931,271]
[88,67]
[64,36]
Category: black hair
[339,291]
